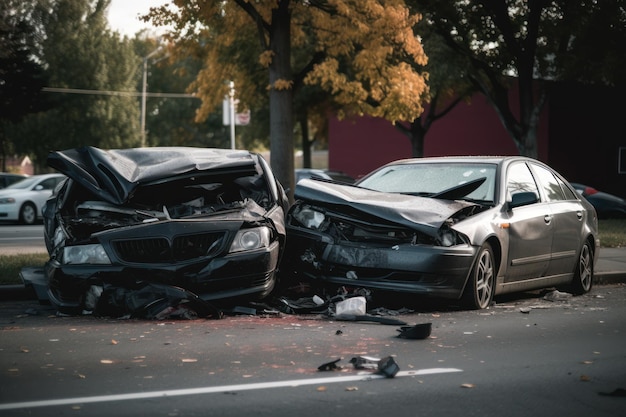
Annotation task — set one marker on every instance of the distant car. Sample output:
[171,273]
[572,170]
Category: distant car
[461,228]
[23,201]
[209,221]
[607,205]
[7,178]
[324,174]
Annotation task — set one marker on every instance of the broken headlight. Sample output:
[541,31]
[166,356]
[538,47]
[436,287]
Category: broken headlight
[85,254]
[249,239]
[309,218]
[449,237]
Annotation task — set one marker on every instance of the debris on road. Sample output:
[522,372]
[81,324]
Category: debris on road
[418,331]
[386,366]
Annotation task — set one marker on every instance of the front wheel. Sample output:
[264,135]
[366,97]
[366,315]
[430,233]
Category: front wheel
[480,286]
[583,275]
[28,214]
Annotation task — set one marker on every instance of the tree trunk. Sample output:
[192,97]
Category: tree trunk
[418,134]
[280,100]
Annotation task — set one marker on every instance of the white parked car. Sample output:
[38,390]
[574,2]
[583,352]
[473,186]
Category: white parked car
[22,201]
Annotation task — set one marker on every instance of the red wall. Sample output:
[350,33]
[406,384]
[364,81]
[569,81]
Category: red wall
[359,145]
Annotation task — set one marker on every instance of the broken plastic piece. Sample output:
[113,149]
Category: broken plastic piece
[419,331]
[318,300]
[557,296]
[353,305]
[388,367]
[330,366]
[365,362]
[368,317]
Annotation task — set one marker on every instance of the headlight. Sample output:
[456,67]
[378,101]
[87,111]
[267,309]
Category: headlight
[450,237]
[309,218]
[447,238]
[85,254]
[8,200]
[248,239]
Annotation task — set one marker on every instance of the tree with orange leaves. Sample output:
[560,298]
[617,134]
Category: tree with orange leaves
[364,54]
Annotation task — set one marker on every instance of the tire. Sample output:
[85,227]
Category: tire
[480,286]
[583,275]
[28,214]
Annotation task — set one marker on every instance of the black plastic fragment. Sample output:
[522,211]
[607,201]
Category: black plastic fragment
[330,366]
[418,331]
[369,317]
[388,367]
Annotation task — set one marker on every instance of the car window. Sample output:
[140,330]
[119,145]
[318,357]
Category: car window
[23,184]
[520,180]
[569,194]
[433,178]
[49,183]
[549,184]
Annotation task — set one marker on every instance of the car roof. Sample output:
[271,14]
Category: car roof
[494,159]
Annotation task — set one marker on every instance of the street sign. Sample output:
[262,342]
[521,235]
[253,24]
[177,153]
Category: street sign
[241,119]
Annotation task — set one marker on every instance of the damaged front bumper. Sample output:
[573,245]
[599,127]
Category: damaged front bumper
[201,257]
[412,268]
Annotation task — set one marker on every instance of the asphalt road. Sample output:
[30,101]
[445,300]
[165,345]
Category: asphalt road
[16,239]
[526,356]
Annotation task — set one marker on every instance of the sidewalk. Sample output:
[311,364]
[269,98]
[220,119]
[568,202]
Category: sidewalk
[611,266]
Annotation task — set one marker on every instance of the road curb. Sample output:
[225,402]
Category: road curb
[605,278]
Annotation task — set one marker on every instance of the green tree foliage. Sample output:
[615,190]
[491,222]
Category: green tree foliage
[528,43]
[91,82]
[21,76]
[353,54]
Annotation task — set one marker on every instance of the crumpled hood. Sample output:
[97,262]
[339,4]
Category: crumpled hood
[419,213]
[113,175]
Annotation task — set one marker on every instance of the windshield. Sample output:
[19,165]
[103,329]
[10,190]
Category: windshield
[443,180]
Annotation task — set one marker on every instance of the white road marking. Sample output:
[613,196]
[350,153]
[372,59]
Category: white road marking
[219,389]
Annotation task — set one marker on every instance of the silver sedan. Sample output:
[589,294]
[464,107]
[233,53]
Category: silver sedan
[464,228]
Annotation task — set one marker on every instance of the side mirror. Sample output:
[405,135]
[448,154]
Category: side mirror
[38,187]
[523,199]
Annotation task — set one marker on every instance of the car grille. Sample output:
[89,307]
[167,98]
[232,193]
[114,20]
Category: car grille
[162,250]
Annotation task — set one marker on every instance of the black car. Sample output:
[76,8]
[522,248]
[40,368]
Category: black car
[461,228]
[207,221]
[608,206]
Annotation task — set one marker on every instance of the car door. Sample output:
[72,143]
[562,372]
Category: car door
[567,218]
[530,228]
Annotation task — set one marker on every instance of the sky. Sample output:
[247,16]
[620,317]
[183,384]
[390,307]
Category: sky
[123,15]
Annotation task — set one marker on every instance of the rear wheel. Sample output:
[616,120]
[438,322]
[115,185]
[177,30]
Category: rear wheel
[480,285]
[583,275]
[28,214]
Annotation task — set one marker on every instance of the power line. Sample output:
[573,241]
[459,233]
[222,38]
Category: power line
[115,93]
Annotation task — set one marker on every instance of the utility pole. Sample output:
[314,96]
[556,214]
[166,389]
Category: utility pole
[231,99]
[144,93]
